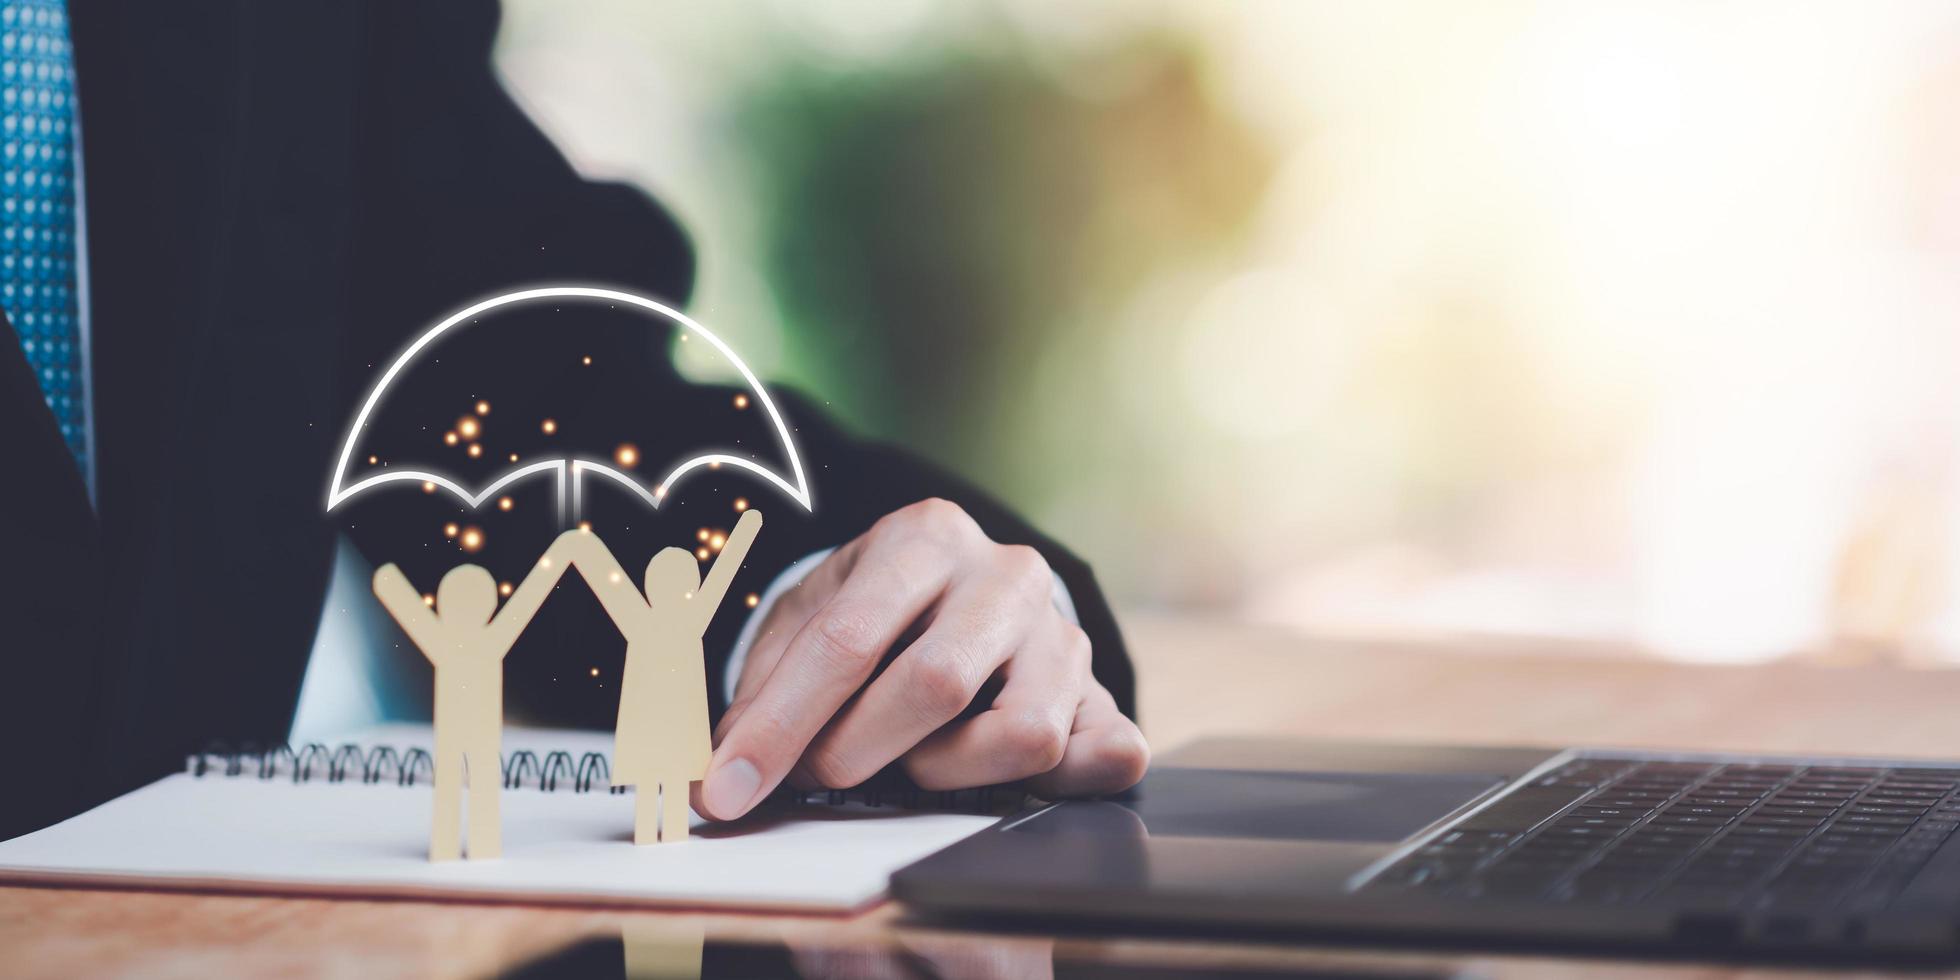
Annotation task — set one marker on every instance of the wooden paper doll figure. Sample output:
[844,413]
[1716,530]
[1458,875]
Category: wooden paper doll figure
[662,741]
[467,643]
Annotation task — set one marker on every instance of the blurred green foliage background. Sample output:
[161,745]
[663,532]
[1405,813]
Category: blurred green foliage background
[1615,323]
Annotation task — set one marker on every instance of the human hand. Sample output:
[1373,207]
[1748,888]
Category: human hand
[971,609]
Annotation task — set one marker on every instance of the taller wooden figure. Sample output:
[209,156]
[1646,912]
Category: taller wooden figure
[466,638]
[662,743]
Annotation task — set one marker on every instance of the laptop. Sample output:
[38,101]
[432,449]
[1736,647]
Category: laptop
[1678,853]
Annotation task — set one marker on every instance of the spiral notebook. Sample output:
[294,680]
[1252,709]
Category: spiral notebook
[352,818]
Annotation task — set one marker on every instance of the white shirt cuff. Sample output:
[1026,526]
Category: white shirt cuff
[792,577]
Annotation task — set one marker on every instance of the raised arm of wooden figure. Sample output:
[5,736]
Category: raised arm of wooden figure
[722,573]
[406,605]
[523,603]
[616,589]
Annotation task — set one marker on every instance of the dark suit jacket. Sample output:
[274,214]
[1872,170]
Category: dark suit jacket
[278,196]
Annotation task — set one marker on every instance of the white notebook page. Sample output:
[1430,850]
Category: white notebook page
[275,835]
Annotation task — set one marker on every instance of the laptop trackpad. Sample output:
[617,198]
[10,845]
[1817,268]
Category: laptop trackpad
[1264,805]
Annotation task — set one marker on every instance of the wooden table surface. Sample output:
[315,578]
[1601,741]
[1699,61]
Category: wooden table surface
[1198,678]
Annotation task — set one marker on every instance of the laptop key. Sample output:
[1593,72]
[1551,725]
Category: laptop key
[1581,833]
[1772,820]
[1839,831]
[1819,812]
[1889,810]
[1628,812]
[1747,831]
[1704,811]
[1700,799]
[1654,831]
[1672,818]
[1874,819]
[1849,846]
[1726,871]
[1950,775]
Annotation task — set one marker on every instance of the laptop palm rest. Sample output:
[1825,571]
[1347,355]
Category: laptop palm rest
[1190,837]
[1380,808]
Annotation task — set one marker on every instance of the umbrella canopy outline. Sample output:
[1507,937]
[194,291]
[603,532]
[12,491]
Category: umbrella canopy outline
[568,472]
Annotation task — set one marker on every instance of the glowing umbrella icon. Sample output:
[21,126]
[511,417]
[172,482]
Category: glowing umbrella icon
[568,473]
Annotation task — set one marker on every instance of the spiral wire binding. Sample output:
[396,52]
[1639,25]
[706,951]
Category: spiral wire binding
[519,763]
[593,769]
[555,770]
[384,764]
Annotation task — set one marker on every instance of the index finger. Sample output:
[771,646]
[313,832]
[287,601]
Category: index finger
[894,580]
[779,624]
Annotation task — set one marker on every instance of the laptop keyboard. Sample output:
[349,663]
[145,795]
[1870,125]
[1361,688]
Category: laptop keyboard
[1712,835]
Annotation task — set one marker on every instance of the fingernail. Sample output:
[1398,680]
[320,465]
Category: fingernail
[731,787]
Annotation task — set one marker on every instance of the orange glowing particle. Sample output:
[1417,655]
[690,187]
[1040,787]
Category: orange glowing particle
[701,554]
[505,503]
[585,526]
[472,539]
[714,465]
[450,530]
[468,427]
[741,401]
[428,600]
[627,455]
[482,408]
[449,438]
[753,600]
[373,460]
[588,360]
[550,426]
[595,671]
[660,490]
[475,450]
[513,457]
[741,504]
[717,540]
[702,535]
[504,589]
[428,487]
